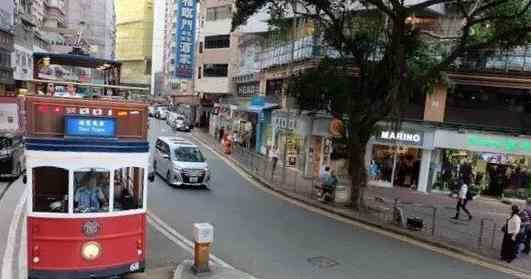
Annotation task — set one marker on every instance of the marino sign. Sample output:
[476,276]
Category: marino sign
[402,137]
[500,144]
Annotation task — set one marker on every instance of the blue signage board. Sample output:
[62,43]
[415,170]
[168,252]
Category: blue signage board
[185,37]
[93,127]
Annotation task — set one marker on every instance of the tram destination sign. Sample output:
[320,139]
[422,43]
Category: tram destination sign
[93,127]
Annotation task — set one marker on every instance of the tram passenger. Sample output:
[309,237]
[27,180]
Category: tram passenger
[89,197]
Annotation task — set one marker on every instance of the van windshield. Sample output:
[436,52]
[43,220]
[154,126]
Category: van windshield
[189,154]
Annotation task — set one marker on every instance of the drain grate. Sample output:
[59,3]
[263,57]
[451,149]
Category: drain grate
[322,262]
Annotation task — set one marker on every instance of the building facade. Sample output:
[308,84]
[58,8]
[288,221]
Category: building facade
[134,36]
[96,20]
[7,24]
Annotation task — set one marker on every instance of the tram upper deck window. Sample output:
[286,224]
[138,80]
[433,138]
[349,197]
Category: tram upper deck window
[91,190]
[128,188]
[50,189]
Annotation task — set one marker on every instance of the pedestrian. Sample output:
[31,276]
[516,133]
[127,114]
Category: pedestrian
[374,171]
[463,197]
[274,159]
[236,138]
[221,134]
[527,236]
[329,187]
[510,231]
[227,144]
[324,175]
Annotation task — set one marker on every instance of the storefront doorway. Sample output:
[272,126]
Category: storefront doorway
[396,165]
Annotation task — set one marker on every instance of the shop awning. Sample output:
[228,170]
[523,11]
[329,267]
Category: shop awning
[258,108]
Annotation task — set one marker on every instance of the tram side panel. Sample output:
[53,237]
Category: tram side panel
[58,244]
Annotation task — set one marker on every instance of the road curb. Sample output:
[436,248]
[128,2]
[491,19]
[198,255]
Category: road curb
[392,229]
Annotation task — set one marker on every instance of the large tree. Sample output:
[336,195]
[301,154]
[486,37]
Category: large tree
[385,54]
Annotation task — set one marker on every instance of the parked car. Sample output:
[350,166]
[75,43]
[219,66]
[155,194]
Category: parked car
[180,162]
[181,124]
[161,112]
[12,161]
[171,116]
[151,111]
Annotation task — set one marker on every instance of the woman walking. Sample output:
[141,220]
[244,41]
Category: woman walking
[511,229]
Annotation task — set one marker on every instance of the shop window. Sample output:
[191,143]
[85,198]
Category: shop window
[50,189]
[128,188]
[215,70]
[91,190]
[200,47]
[218,41]
[495,107]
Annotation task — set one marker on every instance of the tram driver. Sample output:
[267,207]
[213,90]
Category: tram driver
[89,197]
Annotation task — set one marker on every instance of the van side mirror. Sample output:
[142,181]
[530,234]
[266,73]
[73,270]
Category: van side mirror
[151,176]
[24,179]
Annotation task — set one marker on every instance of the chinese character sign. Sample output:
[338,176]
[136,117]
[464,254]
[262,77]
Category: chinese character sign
[79,126]
[186,14]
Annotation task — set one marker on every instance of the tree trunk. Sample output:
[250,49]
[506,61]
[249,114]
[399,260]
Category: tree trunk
[358,172]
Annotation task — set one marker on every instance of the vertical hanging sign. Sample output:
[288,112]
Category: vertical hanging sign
[185,36]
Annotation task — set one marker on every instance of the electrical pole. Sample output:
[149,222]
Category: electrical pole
[290,72]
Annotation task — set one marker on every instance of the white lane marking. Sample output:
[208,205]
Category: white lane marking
[9,257]
[464,258]
[178,238]
[23,252]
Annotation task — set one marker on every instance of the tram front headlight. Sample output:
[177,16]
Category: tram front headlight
[91,251]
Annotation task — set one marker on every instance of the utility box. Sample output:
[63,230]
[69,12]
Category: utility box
[203,233]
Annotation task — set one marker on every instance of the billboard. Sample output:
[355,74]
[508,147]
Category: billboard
[7,9]
[185,37]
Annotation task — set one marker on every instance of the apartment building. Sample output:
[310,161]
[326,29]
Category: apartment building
[95,19]
[134,36]
[7,9]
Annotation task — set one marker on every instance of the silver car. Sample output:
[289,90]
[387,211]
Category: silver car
[180,162]
[12,162]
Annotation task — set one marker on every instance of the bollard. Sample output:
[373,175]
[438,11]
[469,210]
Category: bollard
[203,237]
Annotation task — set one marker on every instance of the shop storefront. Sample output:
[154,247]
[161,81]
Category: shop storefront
[287,138]
[400,158]
[251,121]
[494,164]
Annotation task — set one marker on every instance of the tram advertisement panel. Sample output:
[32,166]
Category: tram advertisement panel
[45,117]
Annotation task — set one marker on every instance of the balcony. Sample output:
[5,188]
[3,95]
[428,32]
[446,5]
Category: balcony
[304,48]
[496,61]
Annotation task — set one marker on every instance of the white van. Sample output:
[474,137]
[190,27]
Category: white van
[180,162]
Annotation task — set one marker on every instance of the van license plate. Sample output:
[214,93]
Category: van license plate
[193,179]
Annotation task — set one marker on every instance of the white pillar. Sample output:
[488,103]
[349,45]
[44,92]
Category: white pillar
[424,170]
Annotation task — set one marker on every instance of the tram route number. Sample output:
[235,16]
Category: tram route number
[134,266]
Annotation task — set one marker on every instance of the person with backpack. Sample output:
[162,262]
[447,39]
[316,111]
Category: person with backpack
[463,197]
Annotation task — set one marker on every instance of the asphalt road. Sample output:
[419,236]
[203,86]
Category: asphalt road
[271,238]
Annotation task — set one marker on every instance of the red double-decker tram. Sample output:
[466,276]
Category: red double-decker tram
[87,177]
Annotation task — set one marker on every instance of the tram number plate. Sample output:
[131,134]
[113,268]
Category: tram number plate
[134,266]
[193,179]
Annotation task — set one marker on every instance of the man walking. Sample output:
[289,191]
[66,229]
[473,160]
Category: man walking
[463,198]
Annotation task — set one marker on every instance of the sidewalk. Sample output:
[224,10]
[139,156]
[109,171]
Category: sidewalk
[481,237]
